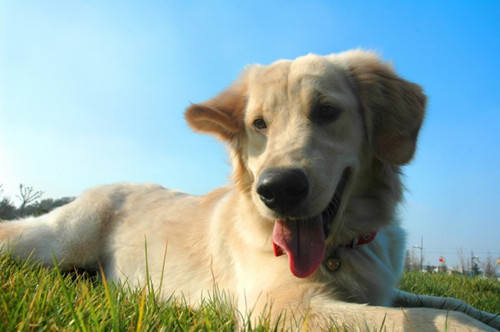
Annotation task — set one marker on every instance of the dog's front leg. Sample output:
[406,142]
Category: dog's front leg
[315,310]
[328,314]
[404,299]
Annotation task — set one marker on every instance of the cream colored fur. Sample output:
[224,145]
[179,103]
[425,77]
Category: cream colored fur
[322,115]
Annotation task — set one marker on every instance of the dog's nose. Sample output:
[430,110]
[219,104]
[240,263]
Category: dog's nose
[282,189]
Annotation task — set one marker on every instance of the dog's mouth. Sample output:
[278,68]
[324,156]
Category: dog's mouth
[333,207]
[303,240]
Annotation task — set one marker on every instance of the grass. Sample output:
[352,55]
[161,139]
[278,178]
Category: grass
[34,298]
[483,294]
[37,298]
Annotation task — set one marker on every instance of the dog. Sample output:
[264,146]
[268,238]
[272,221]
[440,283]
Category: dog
[305,234]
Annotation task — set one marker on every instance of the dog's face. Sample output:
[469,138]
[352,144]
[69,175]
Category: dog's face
[302,133]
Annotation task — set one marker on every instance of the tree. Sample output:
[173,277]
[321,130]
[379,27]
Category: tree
[408,262]
[489,267]
[29,204]
[464,263]
[46,205]
[27,195]
[412,262]
[7,209]
[443,268]
[475,267]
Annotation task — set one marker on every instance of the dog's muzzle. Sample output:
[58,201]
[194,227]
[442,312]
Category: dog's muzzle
[282,190]
[303,239]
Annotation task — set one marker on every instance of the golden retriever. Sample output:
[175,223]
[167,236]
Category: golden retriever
[306,233]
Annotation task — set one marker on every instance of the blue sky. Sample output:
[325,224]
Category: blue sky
[94,91]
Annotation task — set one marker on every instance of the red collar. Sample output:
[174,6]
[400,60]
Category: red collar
[363,239]
[333,261]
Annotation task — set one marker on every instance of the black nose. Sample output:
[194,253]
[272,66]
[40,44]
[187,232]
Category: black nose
[282,189]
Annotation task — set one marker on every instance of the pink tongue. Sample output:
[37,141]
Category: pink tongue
[303,242]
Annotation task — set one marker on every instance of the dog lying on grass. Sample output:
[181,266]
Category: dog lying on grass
[305,234]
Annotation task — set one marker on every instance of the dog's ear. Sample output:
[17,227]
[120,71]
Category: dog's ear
[221,115]
[393,107]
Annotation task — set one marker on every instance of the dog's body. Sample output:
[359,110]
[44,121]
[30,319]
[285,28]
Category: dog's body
[316,145]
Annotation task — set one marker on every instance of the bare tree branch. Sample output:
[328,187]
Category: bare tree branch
[27,195]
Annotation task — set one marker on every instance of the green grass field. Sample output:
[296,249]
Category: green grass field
[36,298]
[481,293]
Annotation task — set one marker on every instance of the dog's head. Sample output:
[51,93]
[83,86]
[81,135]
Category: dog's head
[316,145]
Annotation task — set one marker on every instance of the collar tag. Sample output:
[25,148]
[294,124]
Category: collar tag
[333,261]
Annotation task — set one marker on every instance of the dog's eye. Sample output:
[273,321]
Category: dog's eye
[327,113]
[259,124]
